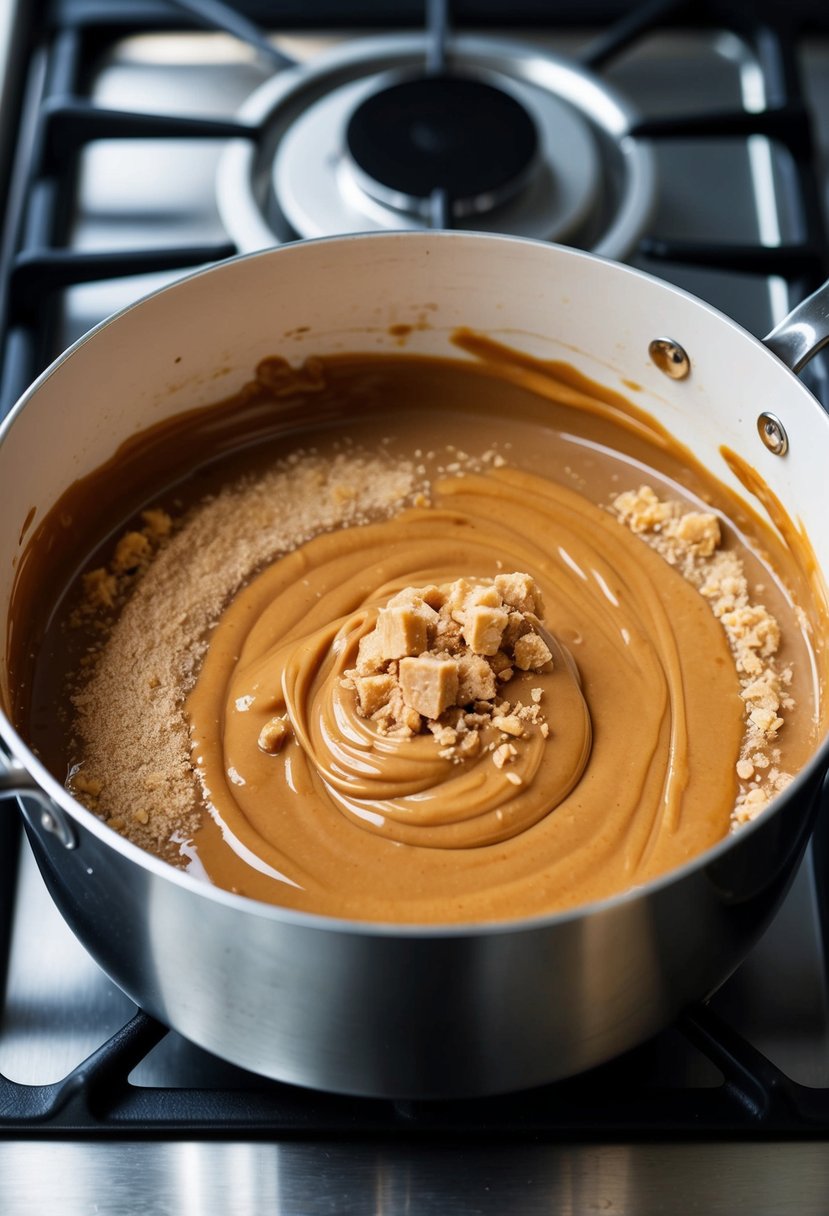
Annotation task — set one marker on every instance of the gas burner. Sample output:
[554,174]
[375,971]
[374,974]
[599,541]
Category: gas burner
[520,141]
[455,133]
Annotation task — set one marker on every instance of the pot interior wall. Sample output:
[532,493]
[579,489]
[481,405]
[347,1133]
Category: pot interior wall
[200,340]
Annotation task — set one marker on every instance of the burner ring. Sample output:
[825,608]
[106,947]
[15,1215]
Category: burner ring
[293,178]
[453,133]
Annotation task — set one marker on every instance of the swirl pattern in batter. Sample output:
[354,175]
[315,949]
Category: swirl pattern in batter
[348,820]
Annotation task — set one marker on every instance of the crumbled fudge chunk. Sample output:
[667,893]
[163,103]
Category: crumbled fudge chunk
[440,658]
[100,588]
[373,692]
[404,626]
[698,530]
[429,683]
[158,525]
[104,587]
[642,511]
[531,652]
[476,679]
[482,628]
[132,551]
[520,592]
[274,734]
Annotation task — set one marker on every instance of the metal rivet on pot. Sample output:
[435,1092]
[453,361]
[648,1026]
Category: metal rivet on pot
[55,823]
[670,358]
[773,434]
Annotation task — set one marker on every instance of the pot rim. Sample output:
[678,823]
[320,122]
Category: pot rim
[412,930]
[57,793]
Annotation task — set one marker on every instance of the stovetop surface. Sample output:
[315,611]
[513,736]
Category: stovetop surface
[59,1007]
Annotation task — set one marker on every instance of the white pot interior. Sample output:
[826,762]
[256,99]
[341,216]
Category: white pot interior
[199,341]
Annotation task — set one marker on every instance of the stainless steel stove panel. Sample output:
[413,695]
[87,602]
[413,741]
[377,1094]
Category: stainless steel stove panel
[312,1179]
[610,1178]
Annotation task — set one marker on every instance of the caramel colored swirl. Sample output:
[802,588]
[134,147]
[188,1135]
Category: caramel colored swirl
[402,787]
[346,821]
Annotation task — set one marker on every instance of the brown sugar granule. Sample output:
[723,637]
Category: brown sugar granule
[133,739]
[435,661]
[100,588]
[690,541]
[157,523]
[105,587]
[133,551]
[88,789]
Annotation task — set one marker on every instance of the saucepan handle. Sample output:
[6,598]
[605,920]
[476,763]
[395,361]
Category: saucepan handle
[16,781]
[804,332]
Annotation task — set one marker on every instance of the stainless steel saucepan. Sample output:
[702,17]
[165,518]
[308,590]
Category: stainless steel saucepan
[408,1011]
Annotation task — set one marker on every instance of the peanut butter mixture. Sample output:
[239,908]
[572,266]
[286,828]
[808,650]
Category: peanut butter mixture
[423,740]
[454,664]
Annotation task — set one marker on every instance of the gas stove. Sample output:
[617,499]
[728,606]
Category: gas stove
[689,140]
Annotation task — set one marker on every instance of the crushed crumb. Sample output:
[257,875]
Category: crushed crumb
[438,656]
[274,734]
[169,579]
[106,587]
[100,588]
[158,525]
[87,788]
[690,541]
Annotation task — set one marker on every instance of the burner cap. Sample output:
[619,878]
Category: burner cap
[442,132]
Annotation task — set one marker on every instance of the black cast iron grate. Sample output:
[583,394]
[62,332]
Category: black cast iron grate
[97,1099]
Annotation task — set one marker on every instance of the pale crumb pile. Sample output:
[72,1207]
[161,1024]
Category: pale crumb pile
[690,540]
[170,585]
[440,657]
